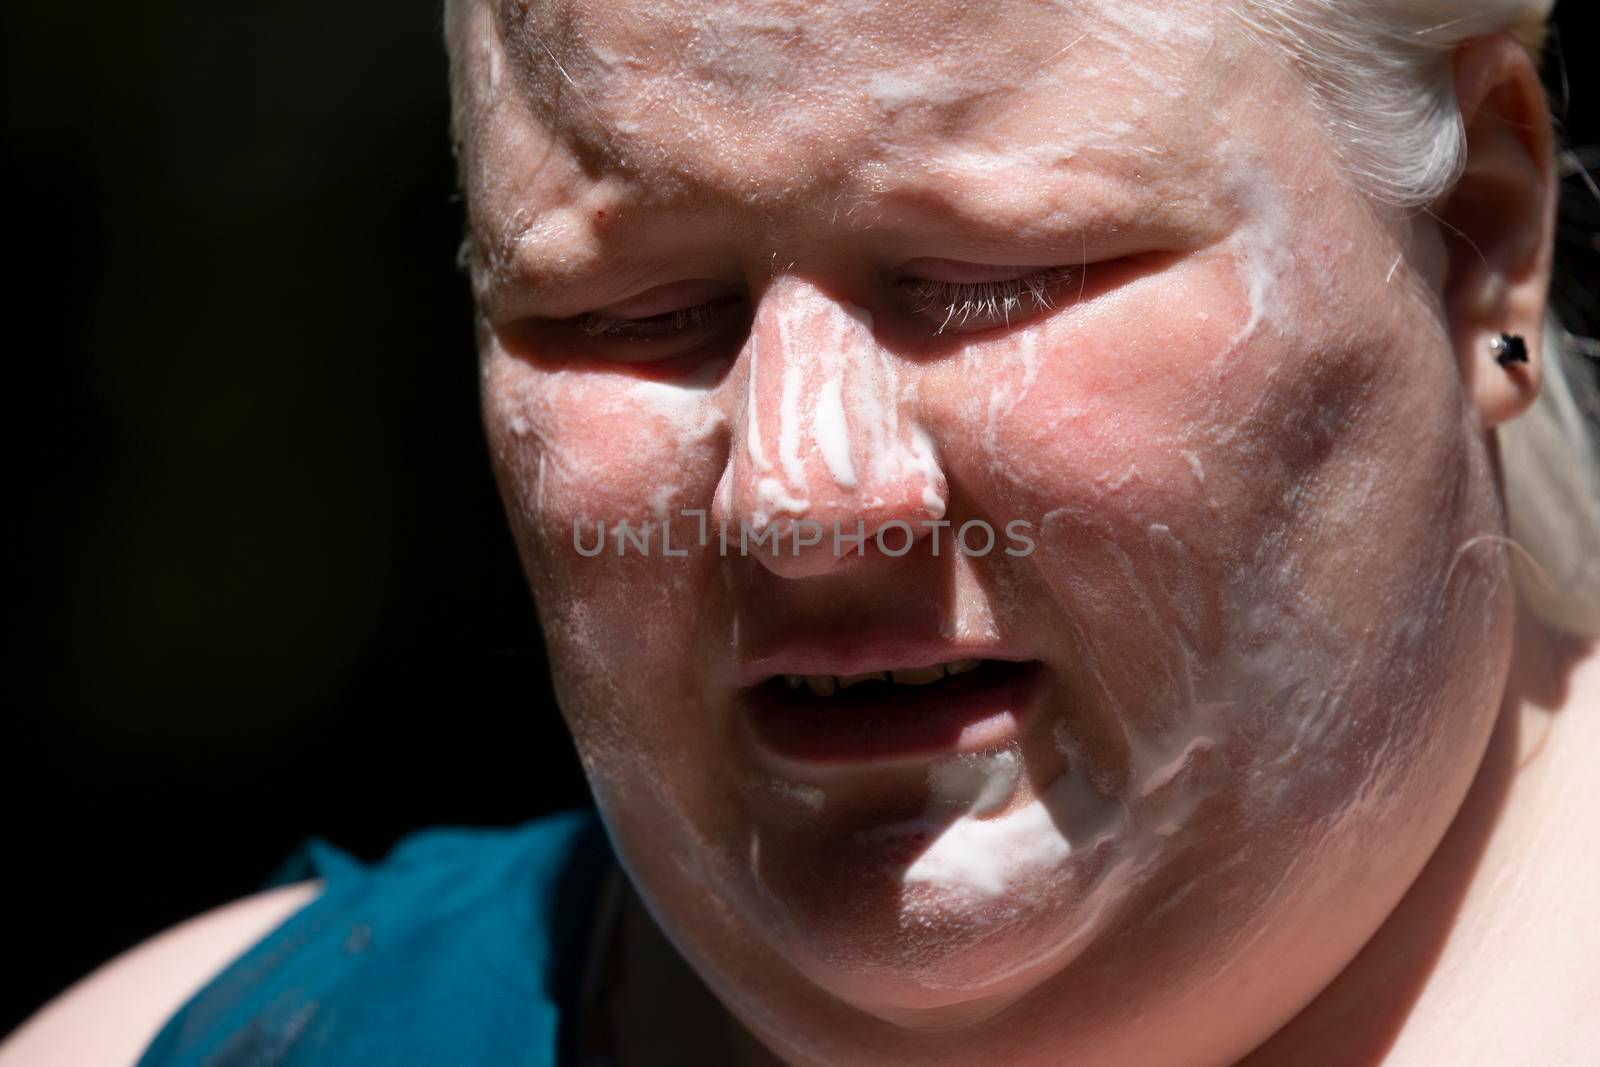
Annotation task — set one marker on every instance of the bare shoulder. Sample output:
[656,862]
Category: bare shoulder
[109,1017]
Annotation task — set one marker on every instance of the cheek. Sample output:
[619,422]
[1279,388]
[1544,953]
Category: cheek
[586,447]
[590,463]
[1247,530]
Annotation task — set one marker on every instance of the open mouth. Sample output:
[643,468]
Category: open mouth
[895,713]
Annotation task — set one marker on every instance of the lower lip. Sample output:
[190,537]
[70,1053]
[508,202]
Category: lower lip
[964,713]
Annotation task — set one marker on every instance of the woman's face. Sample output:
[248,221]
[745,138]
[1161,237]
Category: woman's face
[1082,275]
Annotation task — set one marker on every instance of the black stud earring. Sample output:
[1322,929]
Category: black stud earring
[1509,348]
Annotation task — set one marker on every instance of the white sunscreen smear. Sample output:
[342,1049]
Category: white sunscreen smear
[986,856]
[758,455]
[833,438]
[789,428]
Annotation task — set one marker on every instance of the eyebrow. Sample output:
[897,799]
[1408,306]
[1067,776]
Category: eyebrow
[544,265]
[551,288]
[549,266]
[1086,201]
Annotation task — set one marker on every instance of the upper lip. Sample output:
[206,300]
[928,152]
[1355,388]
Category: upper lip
[865,654]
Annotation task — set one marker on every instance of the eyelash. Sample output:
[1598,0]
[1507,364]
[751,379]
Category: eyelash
[992,303]
[667,324]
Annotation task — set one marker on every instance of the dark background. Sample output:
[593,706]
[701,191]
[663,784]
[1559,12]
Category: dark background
[263,588]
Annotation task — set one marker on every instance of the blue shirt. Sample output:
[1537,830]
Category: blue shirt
[460,947]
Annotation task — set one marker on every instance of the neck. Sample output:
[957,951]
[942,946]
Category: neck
[1490,953]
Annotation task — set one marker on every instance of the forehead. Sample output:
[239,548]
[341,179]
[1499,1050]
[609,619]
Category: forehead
[763,102]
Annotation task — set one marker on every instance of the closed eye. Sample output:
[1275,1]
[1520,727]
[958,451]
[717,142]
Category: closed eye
[693,319]
[680,320]
[972,306]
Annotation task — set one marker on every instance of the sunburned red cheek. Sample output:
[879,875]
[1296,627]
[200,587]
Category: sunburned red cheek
[588,451]
[1155,439]
[1120,411]
[596,468]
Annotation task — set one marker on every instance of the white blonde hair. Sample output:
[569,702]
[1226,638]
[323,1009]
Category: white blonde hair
[1380,72]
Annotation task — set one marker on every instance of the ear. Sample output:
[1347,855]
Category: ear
[1499,223]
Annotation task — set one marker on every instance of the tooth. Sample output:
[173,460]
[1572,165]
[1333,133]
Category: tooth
[847,680]
[962,666]
[820,684]
[919,675]
[793,681]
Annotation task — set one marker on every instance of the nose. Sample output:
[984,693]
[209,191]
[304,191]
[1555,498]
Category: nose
[828,463]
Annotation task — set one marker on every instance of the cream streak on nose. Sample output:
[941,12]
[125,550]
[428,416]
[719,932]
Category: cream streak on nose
[847,448]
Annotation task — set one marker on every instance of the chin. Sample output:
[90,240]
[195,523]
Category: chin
[924,919]
[947,955]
